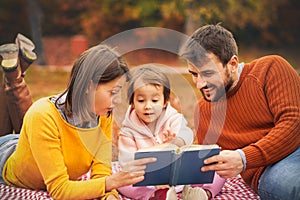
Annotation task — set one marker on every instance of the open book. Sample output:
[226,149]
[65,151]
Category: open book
[177,166]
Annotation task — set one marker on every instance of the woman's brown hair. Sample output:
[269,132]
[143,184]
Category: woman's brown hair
[99,64]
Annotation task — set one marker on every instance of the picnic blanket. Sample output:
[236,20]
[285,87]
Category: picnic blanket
[234,189]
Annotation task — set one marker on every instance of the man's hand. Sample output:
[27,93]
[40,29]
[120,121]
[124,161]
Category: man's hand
[227,164]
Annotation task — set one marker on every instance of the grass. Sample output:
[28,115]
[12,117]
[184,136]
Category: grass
[44,81]
[248,53]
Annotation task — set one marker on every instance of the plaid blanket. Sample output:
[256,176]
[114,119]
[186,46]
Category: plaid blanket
[234,189]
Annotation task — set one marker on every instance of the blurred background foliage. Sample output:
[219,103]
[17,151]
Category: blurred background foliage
[260,27]
[259,23]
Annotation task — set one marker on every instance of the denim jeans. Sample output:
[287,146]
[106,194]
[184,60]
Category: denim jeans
[282,179]
[8,145]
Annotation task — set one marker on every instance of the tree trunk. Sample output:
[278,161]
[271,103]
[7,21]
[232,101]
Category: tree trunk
[35,16]
[192,20]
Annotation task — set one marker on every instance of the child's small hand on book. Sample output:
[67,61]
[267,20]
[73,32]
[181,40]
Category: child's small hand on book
[168,136]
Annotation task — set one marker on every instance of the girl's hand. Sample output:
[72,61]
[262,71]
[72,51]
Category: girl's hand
[131,173]
[168,136]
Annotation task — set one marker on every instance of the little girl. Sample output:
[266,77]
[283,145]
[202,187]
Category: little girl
[151,120]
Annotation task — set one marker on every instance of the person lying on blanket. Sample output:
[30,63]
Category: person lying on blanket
[252,110]
[67,135]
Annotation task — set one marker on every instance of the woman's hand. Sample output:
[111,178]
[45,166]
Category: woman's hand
[131,173]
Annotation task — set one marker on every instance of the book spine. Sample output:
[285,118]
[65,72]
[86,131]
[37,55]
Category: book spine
[175,167]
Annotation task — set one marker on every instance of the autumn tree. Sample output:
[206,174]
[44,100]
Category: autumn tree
[108,17]
[252,18]
[270,22]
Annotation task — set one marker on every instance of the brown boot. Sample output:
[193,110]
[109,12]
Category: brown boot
[5,125]
[9,56]
[18,98]
[26,54]
[8,62]
[17,95]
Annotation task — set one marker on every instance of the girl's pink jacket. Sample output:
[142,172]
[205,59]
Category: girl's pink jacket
[134,135]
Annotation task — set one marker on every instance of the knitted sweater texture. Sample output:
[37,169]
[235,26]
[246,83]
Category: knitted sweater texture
[52,154]
[260,115]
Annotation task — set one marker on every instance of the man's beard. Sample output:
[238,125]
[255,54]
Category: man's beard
[220,91]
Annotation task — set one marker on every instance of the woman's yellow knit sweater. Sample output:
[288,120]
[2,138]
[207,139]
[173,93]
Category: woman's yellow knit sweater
[52,154]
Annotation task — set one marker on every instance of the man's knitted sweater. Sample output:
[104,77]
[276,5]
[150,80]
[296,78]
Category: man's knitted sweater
[260,115]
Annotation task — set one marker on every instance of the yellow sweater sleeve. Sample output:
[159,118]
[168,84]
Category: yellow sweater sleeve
[52,155]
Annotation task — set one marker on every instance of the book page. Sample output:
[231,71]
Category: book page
[194,147]
[170,146]
[160,147]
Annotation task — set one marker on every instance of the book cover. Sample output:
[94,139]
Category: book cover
[177,166]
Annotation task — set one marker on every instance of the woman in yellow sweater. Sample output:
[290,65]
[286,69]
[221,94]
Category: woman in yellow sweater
[68,135]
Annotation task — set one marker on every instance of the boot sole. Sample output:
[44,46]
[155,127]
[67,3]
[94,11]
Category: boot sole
[9,60]
[8,48]
[26,47]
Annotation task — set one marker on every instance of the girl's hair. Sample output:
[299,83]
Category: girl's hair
[148,74]
[99,64]
[210,38]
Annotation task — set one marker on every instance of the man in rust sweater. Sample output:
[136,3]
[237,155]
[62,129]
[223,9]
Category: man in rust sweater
[252,110]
